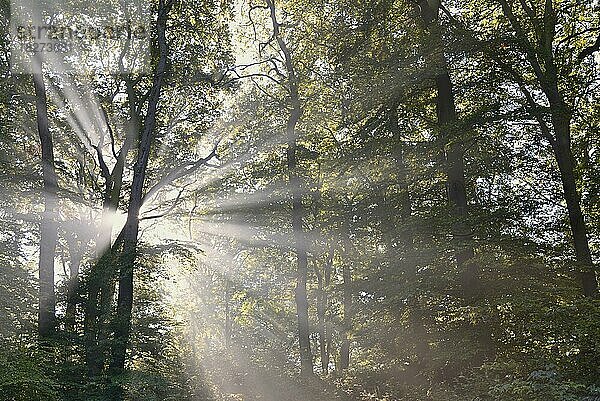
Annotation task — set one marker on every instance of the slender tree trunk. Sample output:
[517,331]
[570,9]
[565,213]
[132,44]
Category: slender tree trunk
[455,169]
[415,318]
[300,295]
[75,256]
[347,319]
[48,227]
[122,323]
[126,261]
[562,150]
[322,308]
[227,312]
[454,152]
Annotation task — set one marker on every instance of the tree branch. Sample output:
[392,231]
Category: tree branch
[180,172]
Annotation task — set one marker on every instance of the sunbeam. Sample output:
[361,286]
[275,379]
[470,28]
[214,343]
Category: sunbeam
[271,200]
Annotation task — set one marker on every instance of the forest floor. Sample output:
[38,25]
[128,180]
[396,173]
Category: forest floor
[236,378]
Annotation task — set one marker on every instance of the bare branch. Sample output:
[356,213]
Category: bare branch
[182,171]
[522,36]
[170,209]
[110,131]
[588,51]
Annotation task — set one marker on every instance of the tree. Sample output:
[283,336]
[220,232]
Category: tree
[295,187]
[453,149]
[48,226]
[541,57]
[532,56]
[127,255]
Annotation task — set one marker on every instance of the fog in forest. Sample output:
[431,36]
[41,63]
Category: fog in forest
[291,200]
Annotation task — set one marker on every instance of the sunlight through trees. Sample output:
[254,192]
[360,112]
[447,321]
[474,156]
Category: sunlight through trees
[299,200]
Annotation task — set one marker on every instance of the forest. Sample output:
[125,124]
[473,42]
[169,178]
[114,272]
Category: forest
[299,200]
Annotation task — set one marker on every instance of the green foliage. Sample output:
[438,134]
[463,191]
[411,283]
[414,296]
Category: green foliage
[24,375]
[214,313]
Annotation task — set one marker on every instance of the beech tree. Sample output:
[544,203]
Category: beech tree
[48,226]
[303,200]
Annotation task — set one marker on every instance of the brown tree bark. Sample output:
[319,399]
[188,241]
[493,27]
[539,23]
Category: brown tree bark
[324,280]
[127,255]
[347,318]
[295,113]
[415,320]
[566,164]
[48,226]
[454,152]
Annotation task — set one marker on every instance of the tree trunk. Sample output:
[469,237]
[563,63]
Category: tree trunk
[566,164]
[416,326]
[454,152]
[455,169]
[300,294]
[101,281]
[347,319]
[322,307]
[48,226]
[75,256]
[127,256]
[227,312]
